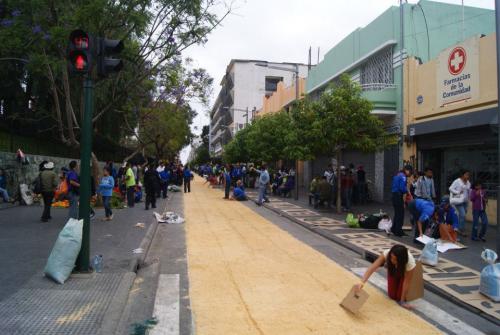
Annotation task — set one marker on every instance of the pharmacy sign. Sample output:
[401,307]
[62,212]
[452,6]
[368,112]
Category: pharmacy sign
[458,73]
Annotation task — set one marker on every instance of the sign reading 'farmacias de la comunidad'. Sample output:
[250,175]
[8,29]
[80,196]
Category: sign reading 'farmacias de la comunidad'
[458,72]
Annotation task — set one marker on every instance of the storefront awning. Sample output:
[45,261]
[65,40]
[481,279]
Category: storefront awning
[473,119]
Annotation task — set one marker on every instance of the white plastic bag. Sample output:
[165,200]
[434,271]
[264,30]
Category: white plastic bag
[385,225]
[490,276]
[26,194]
[174,188]
[63,256]
[430,253]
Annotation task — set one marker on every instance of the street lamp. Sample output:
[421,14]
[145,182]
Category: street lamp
[295,70]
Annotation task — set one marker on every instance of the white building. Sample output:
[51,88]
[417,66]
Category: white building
[242,89]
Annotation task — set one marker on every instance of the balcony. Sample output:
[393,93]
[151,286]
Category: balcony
[382,96]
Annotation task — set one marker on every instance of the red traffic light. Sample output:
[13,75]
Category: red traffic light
[81,47]
[80,63]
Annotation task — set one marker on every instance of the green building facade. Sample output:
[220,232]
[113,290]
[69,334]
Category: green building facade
[373,56]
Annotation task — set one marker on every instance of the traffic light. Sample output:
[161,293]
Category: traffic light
[79,52]
[106,63]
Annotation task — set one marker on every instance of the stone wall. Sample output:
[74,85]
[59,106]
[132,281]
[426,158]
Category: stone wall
[18,173]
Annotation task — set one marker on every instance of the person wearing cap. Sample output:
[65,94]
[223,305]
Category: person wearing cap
[49,184]
[422,212]
[399,190]
[448,220]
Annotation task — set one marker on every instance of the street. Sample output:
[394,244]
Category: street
[236,167]
[232,268]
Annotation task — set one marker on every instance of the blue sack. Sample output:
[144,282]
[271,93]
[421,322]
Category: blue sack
[63,256]
[490,276]
[430,253]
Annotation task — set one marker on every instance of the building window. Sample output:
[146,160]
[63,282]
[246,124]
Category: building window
[377,73]
[272,83]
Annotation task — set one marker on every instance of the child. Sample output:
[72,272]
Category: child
[106,189]
[479,201]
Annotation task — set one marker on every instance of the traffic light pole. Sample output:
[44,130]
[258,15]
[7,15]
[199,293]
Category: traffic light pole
[83,261]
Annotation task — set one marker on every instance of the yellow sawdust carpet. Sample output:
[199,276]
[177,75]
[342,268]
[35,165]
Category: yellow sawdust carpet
[248,276]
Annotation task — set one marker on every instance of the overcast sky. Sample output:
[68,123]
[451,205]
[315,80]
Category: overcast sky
[283,31]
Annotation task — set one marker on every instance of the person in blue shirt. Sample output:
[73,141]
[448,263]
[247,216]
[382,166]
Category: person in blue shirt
[227,182]
[164,181]
[106,190]
[399,191]
[3,186]
[239,192]
[187,175]
[263,181]
[422,211]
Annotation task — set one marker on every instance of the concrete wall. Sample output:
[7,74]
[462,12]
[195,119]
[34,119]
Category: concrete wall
[25,174]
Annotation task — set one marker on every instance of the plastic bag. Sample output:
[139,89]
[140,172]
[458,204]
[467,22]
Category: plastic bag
[351,221]
[171,217]
[174,188]
[430,253]
[26,195]
[490,276]
[63,256]
[385,225]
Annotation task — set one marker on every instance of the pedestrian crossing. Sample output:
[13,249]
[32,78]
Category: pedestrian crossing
[167,306]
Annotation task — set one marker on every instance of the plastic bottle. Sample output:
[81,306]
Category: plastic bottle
[98,263]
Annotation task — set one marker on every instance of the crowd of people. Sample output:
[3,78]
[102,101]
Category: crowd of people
[353,185]
[126,183]
[439,218]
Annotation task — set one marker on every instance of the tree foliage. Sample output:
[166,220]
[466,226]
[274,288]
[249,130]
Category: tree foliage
[339,120]
[39,91]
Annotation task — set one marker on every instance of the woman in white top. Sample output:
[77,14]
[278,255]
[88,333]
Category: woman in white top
[400,265]
[459,197]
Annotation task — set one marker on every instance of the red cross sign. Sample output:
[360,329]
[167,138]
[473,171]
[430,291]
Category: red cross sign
[457,60]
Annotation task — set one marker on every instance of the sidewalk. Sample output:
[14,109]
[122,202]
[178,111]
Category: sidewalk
[456,276]
[33,304]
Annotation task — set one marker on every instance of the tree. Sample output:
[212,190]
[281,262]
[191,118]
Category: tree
[237,150]
[155,33]
[341,120]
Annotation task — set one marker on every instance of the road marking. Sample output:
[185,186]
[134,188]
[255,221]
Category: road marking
[166,309]
[432,312]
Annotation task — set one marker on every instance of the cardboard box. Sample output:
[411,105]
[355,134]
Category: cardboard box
[353,301]
[416,289]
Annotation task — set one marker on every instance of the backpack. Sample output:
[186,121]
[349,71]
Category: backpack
[37,184]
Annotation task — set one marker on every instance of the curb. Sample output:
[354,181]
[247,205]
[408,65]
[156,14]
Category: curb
[138,259]
[114,312]
[369,256]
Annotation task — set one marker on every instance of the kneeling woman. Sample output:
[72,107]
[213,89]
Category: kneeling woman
[400,265]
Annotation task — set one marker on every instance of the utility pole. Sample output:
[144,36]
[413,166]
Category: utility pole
[83,261]
[497,25]
[401,50]
[297,161]
[84,53]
